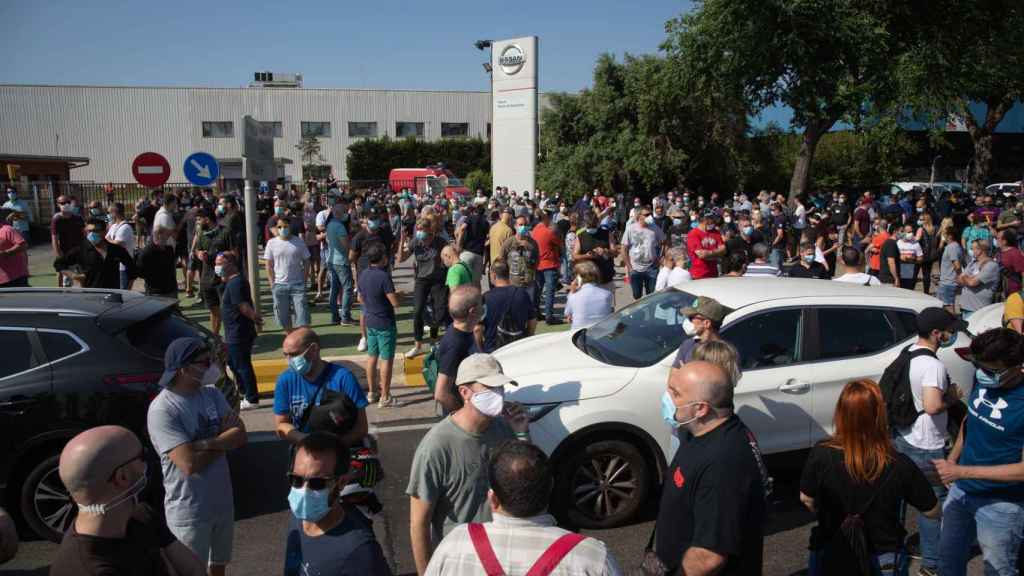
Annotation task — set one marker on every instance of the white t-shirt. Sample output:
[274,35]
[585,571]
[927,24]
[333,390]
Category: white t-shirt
[858,278]
[588,305]
[662,280]
[288,257]
[164,219]
[678,275]
[929,431]
[122,234]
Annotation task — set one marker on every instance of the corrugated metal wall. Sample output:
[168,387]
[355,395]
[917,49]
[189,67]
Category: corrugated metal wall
[111,125]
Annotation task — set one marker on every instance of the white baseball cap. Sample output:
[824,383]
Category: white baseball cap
[482,368]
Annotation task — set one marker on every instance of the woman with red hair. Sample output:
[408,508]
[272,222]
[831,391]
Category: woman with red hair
[855,482]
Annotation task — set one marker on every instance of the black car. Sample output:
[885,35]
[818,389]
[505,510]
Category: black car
[75,359]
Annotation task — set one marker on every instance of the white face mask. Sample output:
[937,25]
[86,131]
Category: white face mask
[211,375]
[489,402]
[688,328]
[131,493]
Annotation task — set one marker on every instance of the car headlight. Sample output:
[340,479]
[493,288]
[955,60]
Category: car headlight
[538,411]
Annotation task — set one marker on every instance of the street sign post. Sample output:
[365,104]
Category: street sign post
[151,169]
[258,150]
[201,169]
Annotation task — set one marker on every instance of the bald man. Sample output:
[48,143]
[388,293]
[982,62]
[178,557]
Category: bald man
[309,381]
[713,500]
[466,307]
[104,470]
[459,272]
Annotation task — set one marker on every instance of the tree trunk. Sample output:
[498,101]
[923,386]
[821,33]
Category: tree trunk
[805,157]
[981,136]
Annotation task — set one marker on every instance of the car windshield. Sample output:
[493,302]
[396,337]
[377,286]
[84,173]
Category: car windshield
[640,334]
[454,181]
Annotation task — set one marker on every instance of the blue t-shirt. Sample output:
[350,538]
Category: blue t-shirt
[374,286]
[516,301]
[238,329]
[293,392]
[994,436]
[348,548]
[336,253]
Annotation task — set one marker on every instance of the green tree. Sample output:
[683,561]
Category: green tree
[825,59]
[312,159]
[966,62]
[373,159]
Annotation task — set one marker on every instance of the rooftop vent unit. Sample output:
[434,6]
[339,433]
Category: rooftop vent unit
[276,80]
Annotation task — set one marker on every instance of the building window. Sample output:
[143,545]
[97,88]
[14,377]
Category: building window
[278,129]
[219,129]
[362,129]
[409,129]
[318,129]
[454,129]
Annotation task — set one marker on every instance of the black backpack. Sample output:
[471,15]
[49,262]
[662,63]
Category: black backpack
[895,385]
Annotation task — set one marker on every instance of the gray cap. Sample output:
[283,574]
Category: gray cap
[482,368]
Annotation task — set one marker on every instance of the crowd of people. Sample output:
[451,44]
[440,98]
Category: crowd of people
[486,270]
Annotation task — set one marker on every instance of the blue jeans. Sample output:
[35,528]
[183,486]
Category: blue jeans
[547,281]
[643,282]
[290,299]
[930,528]
[895,563]
[997,525]
[775,257]
[240,361]
[341,282]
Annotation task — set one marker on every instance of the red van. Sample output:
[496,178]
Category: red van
[435,179]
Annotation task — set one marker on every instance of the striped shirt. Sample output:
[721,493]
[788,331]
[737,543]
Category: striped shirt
[518,543]
[755,269]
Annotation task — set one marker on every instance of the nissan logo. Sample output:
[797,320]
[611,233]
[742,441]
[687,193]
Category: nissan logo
[512,59]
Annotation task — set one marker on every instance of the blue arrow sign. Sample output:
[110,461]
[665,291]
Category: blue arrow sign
[201,169]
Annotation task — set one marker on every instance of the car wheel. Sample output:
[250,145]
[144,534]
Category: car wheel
[602,485]
[46,505]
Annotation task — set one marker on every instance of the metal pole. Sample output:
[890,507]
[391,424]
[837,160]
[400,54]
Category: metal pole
[252,237]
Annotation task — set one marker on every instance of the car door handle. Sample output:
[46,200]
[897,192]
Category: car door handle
[793,386]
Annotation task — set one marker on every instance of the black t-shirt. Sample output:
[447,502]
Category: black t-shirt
[374,285]
[429,266]
[815,270]
[599,239]
[498,301]
[840,213]
[737,245]
[149,214]
[836,494]
[454,347]
[475,236]
[889,250]
[157,267]
[138,553]
[238,328]
[362,241]
[714,498]
[779,223]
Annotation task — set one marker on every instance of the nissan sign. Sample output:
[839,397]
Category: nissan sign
[512,59]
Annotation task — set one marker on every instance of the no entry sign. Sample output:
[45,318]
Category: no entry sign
[151,169]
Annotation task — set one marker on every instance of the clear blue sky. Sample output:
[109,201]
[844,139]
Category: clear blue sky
[333,44]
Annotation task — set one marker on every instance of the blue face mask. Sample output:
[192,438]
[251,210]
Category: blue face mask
[278,210]
[309,505]
[523,230]
[94,237]
[591,230]
[668,411]
[421,235]
[986,379]
[300,363]
[372,224]
[677,221]
[948,343]
[748,230]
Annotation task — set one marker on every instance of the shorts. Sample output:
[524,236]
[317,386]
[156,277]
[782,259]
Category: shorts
[946,293]
[314,252]
[211,297]
[380,342]
[211,541]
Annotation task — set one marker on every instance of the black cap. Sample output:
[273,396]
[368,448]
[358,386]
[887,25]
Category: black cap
[936,318]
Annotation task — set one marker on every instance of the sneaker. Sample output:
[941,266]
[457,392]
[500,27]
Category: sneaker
[414,351]
[389,402]
[246,405]
[348,322]
[922,571]
[371,397]
[362,344]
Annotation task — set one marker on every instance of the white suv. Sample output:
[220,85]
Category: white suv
[594,394]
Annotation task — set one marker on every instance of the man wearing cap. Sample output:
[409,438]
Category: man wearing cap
[705,246]
[925,440]
[104,469]
[192,428]
[704,318]
[448,480]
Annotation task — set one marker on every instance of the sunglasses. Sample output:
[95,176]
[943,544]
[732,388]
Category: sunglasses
[313,482]
[140,456]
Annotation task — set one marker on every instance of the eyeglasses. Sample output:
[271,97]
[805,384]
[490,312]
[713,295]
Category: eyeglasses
[140,456]
[313,482]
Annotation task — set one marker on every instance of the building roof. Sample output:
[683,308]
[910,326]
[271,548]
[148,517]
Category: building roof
[14,158]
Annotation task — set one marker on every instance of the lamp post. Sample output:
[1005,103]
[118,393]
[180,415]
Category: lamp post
[482,45]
